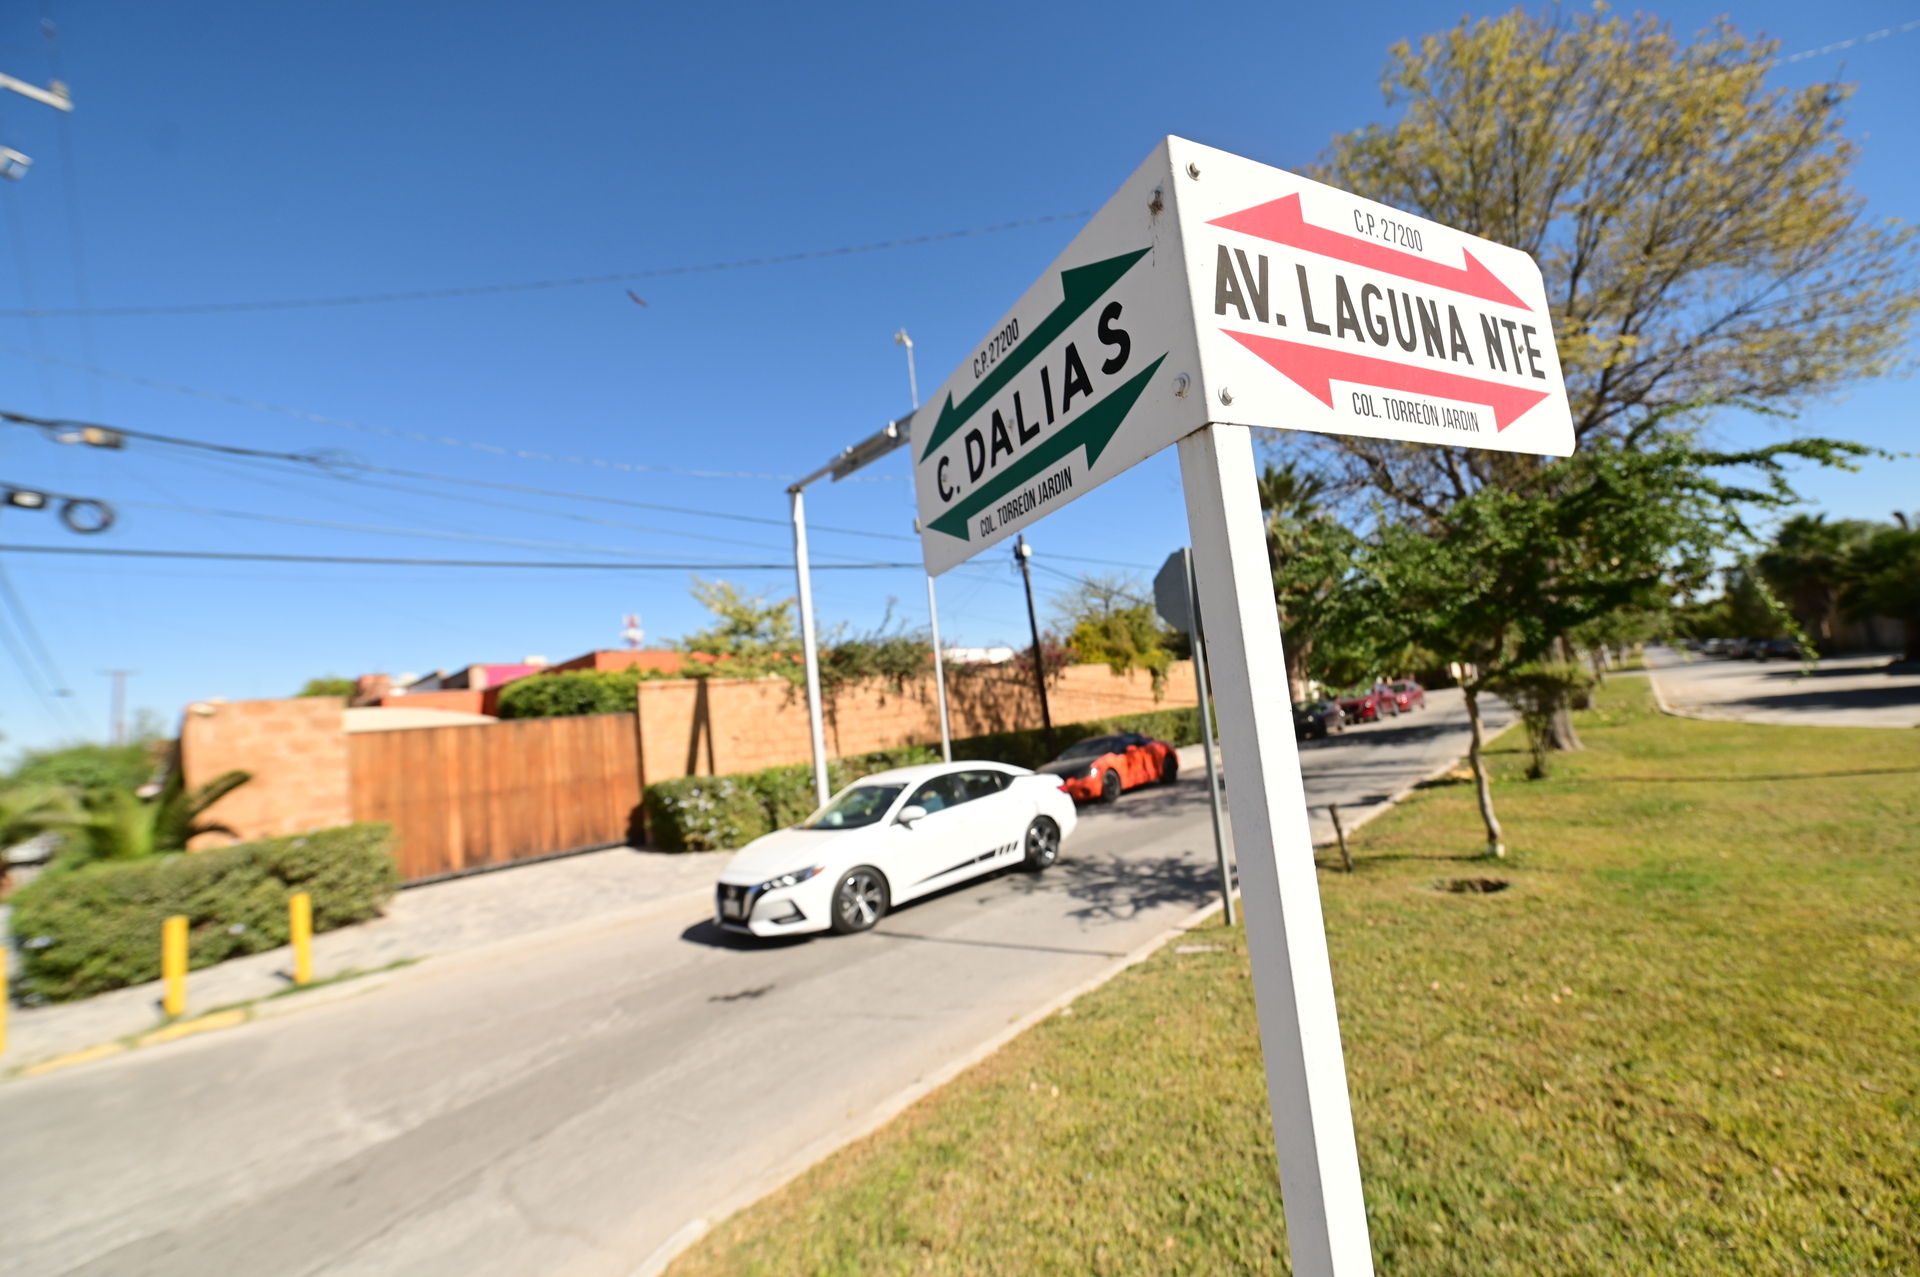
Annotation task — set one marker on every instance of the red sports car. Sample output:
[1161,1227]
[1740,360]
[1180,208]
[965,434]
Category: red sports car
[1408,695]
[1369,704]
[1098,768]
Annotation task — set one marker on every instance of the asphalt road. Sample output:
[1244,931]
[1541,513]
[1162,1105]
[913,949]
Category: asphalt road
[571,1106]
[1854,691]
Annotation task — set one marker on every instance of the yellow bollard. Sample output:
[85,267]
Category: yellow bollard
[300,922]
[173,963]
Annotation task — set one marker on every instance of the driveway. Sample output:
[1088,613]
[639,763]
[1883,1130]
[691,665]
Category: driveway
[574,1101]
[1854,691]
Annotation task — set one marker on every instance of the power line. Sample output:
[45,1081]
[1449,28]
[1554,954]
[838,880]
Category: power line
[340,466]
[582,281]
[417,436]
[235,556]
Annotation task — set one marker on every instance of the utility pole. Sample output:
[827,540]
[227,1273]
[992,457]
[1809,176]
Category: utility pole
[1022,552]
[119,711]
[933,605]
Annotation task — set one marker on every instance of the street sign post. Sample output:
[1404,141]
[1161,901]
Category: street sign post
[1173,599]
[1212,294]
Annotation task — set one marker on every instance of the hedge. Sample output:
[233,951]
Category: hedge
[571,692]
[711,813]
[84,931]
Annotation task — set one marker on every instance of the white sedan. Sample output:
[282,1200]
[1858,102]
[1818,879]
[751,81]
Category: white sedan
[890,837]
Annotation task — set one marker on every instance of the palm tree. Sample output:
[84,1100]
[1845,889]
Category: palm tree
[1808,565]
[117,825]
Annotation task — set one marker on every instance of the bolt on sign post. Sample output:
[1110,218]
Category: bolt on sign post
[173,963]
[1212,294]
[300,929]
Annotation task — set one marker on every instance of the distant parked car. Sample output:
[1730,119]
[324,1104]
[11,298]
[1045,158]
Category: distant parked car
[1314,720]
[1369,704]
[1408,695]
[1100,767]
[1779,649]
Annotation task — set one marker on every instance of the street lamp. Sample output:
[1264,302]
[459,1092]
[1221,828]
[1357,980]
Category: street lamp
[933,605]
[864,453]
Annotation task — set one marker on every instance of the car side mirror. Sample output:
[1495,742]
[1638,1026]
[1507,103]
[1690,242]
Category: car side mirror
[910,814]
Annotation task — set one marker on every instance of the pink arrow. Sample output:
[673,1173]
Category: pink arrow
[1313,368]
[1280,221]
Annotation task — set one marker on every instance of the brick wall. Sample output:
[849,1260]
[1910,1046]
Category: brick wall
[296,750]
[712,726]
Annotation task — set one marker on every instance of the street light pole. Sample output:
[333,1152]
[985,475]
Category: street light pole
[933,605]
[1022,552]
[809,643]
[870,449]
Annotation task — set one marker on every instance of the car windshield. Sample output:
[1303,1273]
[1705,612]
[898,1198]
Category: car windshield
[1097,745]
[861,805]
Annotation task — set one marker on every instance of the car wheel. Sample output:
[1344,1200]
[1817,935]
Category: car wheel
[1109,786]
[1043,845]
[1169,769]
[860,900]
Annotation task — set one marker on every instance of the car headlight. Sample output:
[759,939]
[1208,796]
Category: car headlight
[793,879]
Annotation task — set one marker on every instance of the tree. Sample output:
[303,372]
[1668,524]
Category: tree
[1885,581]
[1508,571]
[1110,621]
[1312,556]
[115,824]
[1807,565]
[1700,242]
[752,635]
[328,686]
[84,767]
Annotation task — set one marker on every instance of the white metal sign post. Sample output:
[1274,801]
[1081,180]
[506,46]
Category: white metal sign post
[1212,294]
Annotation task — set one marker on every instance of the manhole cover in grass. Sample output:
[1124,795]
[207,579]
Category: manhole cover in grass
[1477,886]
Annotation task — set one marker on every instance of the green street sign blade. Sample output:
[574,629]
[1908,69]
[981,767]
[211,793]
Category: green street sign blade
[1082,286]
[1094,431]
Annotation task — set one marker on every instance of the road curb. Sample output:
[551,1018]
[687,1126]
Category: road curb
[818,1151]
[335,989]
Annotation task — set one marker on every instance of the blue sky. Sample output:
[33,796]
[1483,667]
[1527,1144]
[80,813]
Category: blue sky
[228,152]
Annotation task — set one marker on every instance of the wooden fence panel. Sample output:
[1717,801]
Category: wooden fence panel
[463,797]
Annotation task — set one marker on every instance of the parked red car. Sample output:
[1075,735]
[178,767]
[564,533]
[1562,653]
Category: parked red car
[1369,705]
[1408,695]
[1100,767]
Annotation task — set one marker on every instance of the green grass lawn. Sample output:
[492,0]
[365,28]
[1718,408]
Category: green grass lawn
[1685,1040]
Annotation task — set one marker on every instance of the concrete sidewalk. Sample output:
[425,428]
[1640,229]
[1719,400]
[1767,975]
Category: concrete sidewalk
[460,915]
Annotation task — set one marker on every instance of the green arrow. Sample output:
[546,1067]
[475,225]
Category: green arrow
[1083,286]
[1095,430]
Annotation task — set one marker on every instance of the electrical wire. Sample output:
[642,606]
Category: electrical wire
[538,285]
[236,556]
[342,467]
[421,533]
[418,437]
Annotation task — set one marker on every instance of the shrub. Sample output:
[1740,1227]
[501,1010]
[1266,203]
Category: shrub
[570,693]
[1028,746]
[712,813]
[84,931]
